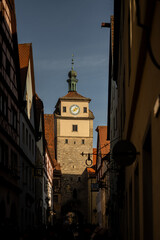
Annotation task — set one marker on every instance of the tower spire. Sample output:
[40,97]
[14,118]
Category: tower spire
[72,62]
[72,81]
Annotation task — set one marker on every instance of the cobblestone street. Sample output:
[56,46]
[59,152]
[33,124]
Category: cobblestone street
[58,232]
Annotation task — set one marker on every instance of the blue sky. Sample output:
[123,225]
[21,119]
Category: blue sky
[57,29]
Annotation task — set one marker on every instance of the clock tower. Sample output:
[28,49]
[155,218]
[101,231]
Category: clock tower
[73,135]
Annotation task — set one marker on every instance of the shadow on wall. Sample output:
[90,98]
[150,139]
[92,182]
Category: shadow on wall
[74,190]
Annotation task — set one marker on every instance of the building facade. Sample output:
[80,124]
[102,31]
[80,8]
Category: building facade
[92,191]
[103,148]
[27,138]
[113,134]
[9,117]
[136,73]
[40,166]
[26,164]
[73,135]
[53,171]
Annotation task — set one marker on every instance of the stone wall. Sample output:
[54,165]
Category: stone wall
[74,174]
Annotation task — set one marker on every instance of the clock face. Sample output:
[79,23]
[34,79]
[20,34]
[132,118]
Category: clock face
[75,109]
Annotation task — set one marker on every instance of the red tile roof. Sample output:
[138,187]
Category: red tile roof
[49,133]
[49,136]
[104,144]
[25,54]
[74,95]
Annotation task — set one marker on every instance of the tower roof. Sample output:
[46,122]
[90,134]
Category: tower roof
[75,95]
[72,96]
[72,74]
[72,81]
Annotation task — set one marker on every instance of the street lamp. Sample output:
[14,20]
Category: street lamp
[124,153]
[89,160]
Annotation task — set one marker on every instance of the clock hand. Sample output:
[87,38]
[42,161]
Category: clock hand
[75,109]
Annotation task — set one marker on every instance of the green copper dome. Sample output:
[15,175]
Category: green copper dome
[72,74]
[72,81]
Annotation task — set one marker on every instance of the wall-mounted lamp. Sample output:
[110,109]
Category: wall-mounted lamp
[89,160]
[124,153]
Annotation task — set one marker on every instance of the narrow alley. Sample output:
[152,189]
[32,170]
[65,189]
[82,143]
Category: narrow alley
[79,120]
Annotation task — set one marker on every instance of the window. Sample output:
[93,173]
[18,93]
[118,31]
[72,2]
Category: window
[3,104]
[32,147]
[75,128]
[66,141]
[83,141]
[30,178]
[29,141]
[64,109]
[85,109]
[14,163]
[23,133]
[14,118]
[27,175]
[26,136]
[32,184]
[7,67]
[3,154]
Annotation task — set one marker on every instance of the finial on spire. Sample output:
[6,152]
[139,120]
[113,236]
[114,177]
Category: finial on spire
[72,61]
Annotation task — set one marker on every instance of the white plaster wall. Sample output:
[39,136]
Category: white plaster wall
[28,95]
